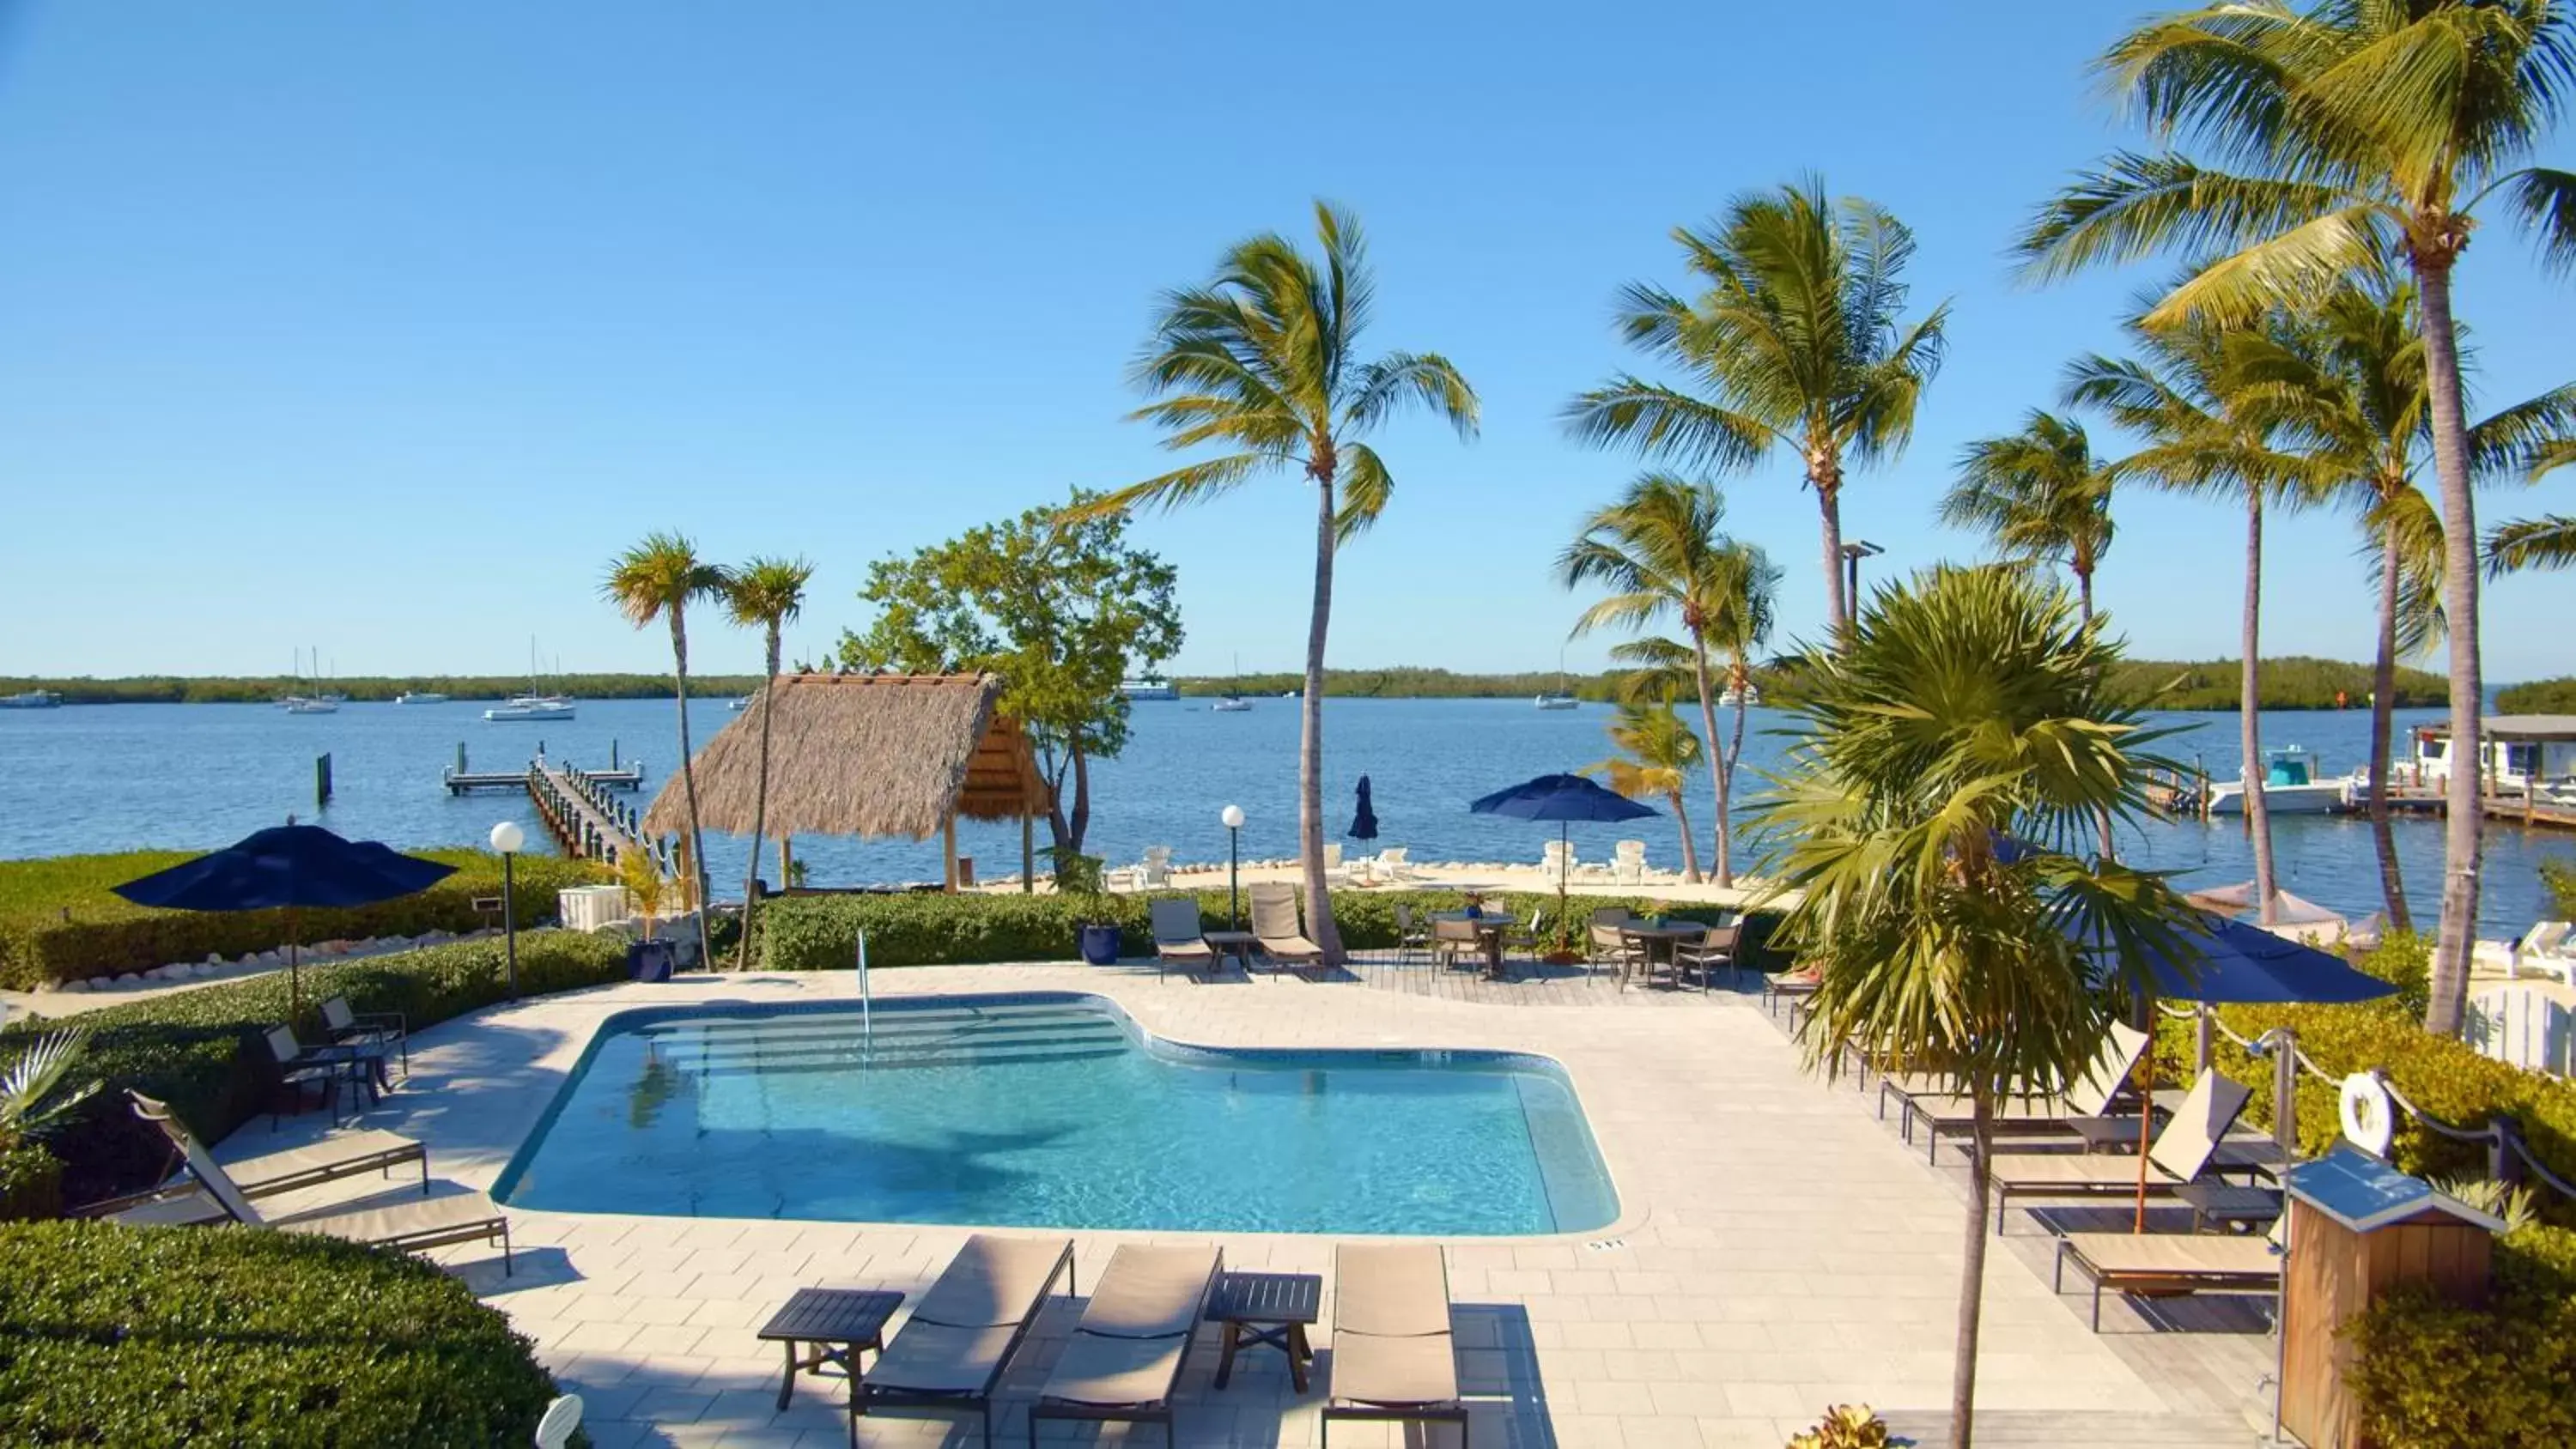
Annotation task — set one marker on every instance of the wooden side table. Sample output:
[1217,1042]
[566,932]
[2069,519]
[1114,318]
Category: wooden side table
[1237,944]
[838,1322]
[1269,1310]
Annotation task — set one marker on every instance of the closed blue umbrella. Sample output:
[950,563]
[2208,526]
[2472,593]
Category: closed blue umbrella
[1364,823]
[1563,799]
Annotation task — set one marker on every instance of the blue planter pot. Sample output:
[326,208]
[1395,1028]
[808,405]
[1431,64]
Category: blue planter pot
[649,960]
[1100,945]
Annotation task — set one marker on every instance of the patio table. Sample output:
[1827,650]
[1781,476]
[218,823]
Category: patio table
[1269,1310]
[1650,935]
[1237,944]
[839,1323]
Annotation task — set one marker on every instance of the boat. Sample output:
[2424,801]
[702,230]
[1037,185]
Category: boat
[739,703]
[420,696]
[1559,697]
[522,707]
[1149,687]
[1234,702]
[310,704]
[1749,697]
[2291,786]
[32,699]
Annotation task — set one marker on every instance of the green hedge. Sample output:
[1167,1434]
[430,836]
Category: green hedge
[2432,1376]
[202,1051]
[159,1336]
[31,1182]
[59,921]
[2561,880]
[815,933]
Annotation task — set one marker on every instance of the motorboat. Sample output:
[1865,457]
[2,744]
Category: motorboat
[739,703]
[1231,704]
[1149,688]
[310,704]
[1557,701]
[32,699]
[525,707]
[420,696]
[2291,786]
[1749,697]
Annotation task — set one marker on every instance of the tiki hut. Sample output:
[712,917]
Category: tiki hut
[868,755]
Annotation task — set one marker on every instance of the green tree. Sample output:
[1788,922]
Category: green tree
[763,594]
[2346,133]
[2040,496]
[1797,340]
[1263,359]
[1056,603]
[658,579]
[1657,752]
[1954,757]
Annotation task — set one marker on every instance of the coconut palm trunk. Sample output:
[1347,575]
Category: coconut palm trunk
[2383,707]
[2258,813]
[2463,825]
[759,807]
[1723,855]
[689,782]
[1825,474]
[1972,1274]
[1310,740]
[1690,847]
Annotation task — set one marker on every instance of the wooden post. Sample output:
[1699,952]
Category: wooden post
[460,757]
[786,862]
[948,850]
[2530,799]
[321,781]
[1028,853]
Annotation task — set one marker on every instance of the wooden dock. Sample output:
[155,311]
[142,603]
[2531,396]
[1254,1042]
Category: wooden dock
[461,779]
[2523,807]
[587,819]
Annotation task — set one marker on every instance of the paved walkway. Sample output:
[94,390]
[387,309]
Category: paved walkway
[1778,1249]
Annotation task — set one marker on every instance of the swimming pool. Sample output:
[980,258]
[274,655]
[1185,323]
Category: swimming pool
[1052,1111]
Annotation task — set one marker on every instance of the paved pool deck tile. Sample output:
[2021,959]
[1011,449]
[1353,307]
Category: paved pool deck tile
[1777,1248]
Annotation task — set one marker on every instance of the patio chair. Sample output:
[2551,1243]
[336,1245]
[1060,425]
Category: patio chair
[180,1200]
[379,1029]
[1930,1106]
[1528,939]
[1177,938]
[950,1354]
[1715,948]
[410,1226]
[1275,925]
[1615,948]
[1395,1359]
[2171,1264]
[323,1067]
[1410,936]
[1123,1362]
[1454,941]
[2182,1152]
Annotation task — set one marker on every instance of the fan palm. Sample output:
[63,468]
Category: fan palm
[763,594]
[1657,753]
[2361,132]
[658,579]
[1263,358]
[2179,395]
[2040,496]
[1796,340]
[1661,554]
[1953,756]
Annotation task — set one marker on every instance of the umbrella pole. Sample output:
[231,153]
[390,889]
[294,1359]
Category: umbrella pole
[294,982]
[1564,910]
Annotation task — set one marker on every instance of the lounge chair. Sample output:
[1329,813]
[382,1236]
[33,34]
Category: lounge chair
[346,1154]
[2181,1154]
[379,1029]
[1394,1357]
[410,1226]
[1792,986]
[1124,1360]
[2161,1265]
[1940,1113]
[1629,862]
[1392,864]
[951,1352]
[2549,946]
[1177,938]
[1275,926]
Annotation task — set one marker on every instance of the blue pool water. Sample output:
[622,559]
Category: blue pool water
[1053,1111]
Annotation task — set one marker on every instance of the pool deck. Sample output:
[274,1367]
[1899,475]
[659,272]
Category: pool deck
[1778,1248]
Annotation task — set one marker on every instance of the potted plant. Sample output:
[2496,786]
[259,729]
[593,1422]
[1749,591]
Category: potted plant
[1845,1426]
[1077,874]
[647,959]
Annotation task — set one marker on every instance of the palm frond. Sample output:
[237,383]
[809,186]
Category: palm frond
[2545,199]
[2139,205]
[2546,542]
[1366,489]
[1666,422]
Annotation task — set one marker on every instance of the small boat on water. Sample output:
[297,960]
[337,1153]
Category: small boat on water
[739,703]
[2291,786]
[1234,702]
[1558,700]
[1149,687]
[310,704]
[1750,697]
[524,707]
[420,696]
[32,699]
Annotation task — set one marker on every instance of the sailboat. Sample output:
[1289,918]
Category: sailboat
[1234,702]
[298,702]
[1561,697]
[532,705]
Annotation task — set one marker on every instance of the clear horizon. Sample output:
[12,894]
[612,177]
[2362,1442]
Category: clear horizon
[379,331]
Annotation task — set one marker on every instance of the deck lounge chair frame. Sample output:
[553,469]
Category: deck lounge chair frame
[299,1168]
[1348,1339]
[1157,1410]
[2184,1152]
[1178,938]
[1939,1114]
[1276,927]
[872,1394]
[2094,1254]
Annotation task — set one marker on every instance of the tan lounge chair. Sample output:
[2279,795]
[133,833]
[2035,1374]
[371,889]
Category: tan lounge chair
[1177,941]
[1275,926]
[950,1354]
[2182,1152]
[344,1154]
[1942,1113]
[1394,1357]
[411,1226]
[1124,1361]
[2162,1265]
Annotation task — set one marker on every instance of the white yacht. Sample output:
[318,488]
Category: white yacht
[420,696]
[32,699]
[522,707]
[1149,688]
[1750,696]
[1558,700]
[2291,786]
[310,704]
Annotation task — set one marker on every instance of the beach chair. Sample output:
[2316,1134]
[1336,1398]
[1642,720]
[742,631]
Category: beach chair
[181,1200]
[1395,1359]
[2182,1152]
[1334,870]
[1275,926]
[2550,945]
[1557,859]
[1157,870]
[2164,1265]
[365,1029]
[1177,937]
[1931,1108]
[1392,864]
[1629,862]
[409,1226]
[1123,1363]
[950,1354]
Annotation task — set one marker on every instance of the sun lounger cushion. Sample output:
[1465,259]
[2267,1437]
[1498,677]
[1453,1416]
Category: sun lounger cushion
[1394,1371]
[1392,1346]
[935,1358]
[992,1280]
[1103,1372]
[1149,1292]
[2175,1255]
[414,1218]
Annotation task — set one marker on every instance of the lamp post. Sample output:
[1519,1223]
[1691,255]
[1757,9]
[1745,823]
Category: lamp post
[1853,553]
[507,837]
[1232,815]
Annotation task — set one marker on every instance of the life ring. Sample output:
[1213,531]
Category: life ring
[2369,1117]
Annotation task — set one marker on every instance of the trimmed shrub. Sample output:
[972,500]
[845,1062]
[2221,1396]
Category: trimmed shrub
[202,1051]
[2431,1375]
[2560,877]
[59,921]
[31,1182]
[154,1336]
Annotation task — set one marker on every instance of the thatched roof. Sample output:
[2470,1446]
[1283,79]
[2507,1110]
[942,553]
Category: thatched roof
[860,754]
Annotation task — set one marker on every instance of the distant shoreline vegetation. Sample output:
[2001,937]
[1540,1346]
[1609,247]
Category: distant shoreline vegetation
[2540,696]
[2296,682]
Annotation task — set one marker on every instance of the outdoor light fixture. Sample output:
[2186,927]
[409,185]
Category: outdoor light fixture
[507,838]
[1853,553]
[1232,816]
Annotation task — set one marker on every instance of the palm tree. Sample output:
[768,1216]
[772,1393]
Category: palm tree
[2040,496]
[2202,439]
[1657,753]
[1798,340]
[1263,358]
[1953,757]
[2359,132]
[763,594]
[656,579]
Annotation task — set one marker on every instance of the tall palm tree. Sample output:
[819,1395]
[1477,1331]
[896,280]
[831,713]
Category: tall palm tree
[1953,756]
[2180,396]
[1263,359]
[1796,340]
[2358,131]
[2040,496]
[1659,551]
[763,594]
[657,579]
[1746,606]
[1657,753]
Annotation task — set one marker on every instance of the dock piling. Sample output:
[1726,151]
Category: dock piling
[321,780]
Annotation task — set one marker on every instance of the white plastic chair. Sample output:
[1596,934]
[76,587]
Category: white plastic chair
[1557,859]
[1157,870]
[1631,867]
[2550,945]
[1391,861]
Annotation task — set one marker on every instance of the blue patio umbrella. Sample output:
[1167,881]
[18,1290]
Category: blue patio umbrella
[1563,799]
[1363,824]
[287,867]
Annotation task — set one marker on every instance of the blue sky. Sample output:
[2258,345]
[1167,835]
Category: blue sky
[378,328]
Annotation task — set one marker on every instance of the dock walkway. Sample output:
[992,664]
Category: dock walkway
[582,812]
